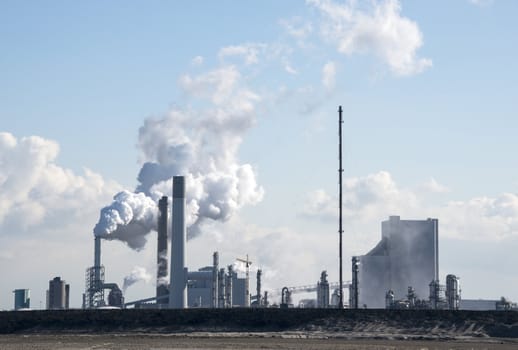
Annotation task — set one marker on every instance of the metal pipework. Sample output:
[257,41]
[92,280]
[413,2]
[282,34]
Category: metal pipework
[221,288]
[228,286]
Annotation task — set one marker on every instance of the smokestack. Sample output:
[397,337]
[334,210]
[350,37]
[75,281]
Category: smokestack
[161,273]
[258,287]
[215,285]
[178,284]
[97,261]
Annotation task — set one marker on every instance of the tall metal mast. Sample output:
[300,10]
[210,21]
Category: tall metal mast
[340,230]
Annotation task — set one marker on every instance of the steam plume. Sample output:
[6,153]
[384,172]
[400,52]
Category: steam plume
[127,217]
[137,274]
[199,144]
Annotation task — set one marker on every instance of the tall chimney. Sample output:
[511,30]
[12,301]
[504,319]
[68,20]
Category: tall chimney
[97,261]
[178,284]
[161,253]
[215,285]
[258,287]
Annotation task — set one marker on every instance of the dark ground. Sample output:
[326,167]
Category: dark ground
[258,329]
[229,341]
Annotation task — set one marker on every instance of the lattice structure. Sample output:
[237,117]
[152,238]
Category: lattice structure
[94,292]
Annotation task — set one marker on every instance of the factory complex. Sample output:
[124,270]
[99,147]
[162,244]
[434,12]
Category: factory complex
[400,272]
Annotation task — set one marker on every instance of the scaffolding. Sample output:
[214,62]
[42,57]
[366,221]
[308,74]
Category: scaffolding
[94,292]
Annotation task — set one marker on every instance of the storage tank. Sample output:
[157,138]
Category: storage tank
[22,299]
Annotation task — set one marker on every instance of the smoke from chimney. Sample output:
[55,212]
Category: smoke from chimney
[202,145]
[137,274]
[127,218]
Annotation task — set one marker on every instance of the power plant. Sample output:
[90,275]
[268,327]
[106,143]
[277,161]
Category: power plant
[407,255]
[400,272]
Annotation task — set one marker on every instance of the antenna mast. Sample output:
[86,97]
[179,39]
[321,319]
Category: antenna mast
[340,230]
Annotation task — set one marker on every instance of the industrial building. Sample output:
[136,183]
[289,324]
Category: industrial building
[407,255]
[58,294]
[214,287]
[22,299]
[501,304]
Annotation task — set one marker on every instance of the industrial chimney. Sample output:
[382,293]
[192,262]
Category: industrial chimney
[178,284]
[161,274]
[215,284]
[97,262]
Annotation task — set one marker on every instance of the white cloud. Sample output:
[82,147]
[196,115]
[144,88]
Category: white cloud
[297,27]
[47,213]
[376,196]
[289,69]
[481,3]
[377,29]
[221,86]
[431,185]
[34,190]
[197,61]
[328,75]
[249,52]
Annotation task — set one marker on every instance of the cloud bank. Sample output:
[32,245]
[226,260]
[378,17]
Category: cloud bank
[376,28]
[35,191]
[372,198]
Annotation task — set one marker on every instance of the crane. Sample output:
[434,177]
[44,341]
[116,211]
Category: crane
[247,263]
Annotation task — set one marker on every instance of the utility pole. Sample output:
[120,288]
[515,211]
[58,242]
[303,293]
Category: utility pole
[340,229]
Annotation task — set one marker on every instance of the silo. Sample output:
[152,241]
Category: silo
[22,299]
[452,292]
[57,294]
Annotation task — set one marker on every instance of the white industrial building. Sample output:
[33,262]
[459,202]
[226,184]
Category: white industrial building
[407,255]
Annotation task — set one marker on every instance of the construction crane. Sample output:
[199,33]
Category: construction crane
[247,263]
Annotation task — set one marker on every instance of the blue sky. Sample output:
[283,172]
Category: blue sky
[429,91]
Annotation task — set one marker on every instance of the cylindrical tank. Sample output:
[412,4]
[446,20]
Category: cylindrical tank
[389,299]
[452,292]
[323,291]
[22,299]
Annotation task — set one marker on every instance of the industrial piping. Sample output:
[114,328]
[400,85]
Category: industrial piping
[178,284]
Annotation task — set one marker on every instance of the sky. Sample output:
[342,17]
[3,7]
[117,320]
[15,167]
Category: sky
[242,98]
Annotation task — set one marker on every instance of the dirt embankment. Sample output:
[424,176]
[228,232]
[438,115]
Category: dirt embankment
[324,322]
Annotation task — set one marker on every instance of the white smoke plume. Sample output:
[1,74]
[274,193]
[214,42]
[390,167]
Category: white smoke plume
[137,274]
[127,218]
[201,144]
